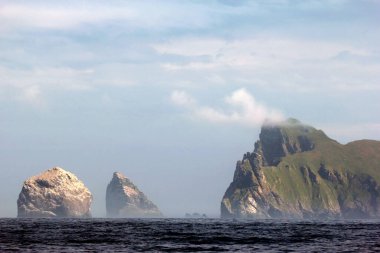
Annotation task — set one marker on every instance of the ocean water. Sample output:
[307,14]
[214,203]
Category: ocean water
[187,235]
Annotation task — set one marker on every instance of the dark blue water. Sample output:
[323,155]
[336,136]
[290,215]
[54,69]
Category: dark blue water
[187,235]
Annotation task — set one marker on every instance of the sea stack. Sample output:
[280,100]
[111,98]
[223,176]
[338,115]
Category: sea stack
[297,171]
[125,200]
[54,193]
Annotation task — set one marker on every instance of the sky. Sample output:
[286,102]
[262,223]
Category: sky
[173,93]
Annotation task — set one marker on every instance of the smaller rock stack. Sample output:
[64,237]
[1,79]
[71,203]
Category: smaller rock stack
[125,200]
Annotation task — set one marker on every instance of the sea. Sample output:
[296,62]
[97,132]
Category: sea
[188,235]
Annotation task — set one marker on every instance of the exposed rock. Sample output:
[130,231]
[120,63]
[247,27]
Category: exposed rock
[195,216]
[276,142]
[297,171]
[54,193]
[124,199]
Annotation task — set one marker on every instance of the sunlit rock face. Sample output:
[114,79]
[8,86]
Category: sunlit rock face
[297,171]
[54,193]
[124,199]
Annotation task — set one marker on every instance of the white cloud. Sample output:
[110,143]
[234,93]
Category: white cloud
[57,16]
[251,51]
[181,98]
[71,14]
[63,77]
[31,95]
[30,85]
[66,78]
[242,108]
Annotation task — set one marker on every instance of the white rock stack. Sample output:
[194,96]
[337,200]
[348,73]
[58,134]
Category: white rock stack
[54,193]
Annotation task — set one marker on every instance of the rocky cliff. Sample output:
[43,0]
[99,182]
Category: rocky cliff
[124,199]
[297,171]
[54,193]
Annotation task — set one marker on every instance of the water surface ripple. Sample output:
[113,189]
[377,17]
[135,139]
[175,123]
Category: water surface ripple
[187,235]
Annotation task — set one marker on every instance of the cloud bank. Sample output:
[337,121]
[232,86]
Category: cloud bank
[303,65]
[51,47]
[241,108]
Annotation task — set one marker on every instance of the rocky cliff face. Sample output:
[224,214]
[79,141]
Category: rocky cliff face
[277,141]
[54,193]
[124,199]
[297,171]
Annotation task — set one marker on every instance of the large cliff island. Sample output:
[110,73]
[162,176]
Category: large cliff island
[296,171]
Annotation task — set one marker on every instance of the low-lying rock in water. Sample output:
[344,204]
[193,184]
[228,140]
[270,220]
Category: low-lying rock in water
[54,193]
[195,216]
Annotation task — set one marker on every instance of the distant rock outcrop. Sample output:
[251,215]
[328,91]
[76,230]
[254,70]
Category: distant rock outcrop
[297,171]
[124,199]
[195,216]
[54,193]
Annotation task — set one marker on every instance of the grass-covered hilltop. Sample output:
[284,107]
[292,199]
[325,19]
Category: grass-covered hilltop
[297,171]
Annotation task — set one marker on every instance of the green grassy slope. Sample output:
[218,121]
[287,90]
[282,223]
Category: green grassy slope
[298,180]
